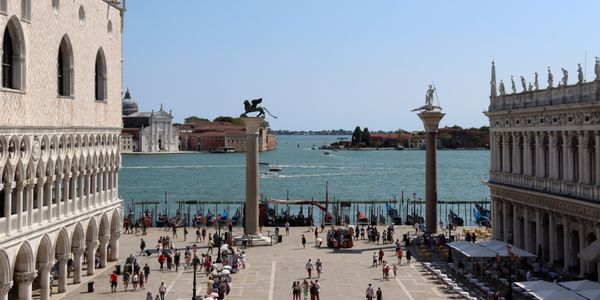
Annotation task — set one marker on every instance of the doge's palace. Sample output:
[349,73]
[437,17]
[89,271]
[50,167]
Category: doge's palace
[60,120]
[545,168]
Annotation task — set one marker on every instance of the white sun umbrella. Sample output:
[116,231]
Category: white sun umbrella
[228,267]
[581,285]
[538,285]
[562,294]
[226,272]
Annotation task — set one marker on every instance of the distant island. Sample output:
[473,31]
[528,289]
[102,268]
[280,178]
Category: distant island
[454,137]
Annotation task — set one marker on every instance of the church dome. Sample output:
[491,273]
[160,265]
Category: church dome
[129,105]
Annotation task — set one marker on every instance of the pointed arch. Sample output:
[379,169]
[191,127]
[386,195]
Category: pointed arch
[115,222]
[104,228]
[100,76]
[91,233]
[5,267]
[24,259]
[13,56]
[78,238]
[65,68]
[63,243]
[45,252]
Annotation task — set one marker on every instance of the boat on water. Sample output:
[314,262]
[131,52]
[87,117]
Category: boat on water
[275,168]
[454,219]
[393,214]
[223,150]
[326,152]
[269,175]
[236,217]
[362,218]
[411,219]
[399,148]
[313,147]
[482,216]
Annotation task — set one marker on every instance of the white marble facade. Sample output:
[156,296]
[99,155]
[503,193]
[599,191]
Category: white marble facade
[59,141]
[160,135]
[545,172]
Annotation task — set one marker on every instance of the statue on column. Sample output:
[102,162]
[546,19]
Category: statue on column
[501,88]
[512,85]
[530,87]
[579,74]
[550,78]
[565,77]
[535,81]
[429,100]
[524,84]
[597,68]
[255,108]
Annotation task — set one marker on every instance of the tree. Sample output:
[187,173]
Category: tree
[366,137]
[223,119]
[192,119]
[456,127]
[356,136]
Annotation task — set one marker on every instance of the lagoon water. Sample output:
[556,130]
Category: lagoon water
[352,175]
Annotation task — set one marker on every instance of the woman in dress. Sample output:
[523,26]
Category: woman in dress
[305,289]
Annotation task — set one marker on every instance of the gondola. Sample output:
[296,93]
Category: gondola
[223,218]
[482,216]
[362,218]
[210,218]
[454,219]
[414,218]
[393,214]
[236,217]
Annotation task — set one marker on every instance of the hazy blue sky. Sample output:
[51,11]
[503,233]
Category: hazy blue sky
[337,64]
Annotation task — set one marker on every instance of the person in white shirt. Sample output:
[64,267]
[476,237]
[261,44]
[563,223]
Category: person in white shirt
[309,267]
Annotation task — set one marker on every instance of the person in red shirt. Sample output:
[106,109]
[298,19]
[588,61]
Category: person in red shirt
[161,260]
[113,282]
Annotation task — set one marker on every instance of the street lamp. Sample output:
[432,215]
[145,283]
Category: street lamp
[219,244]
[510,263]
[195,262]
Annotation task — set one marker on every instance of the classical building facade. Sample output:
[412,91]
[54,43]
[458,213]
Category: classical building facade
[60,120]
[545,170]
[210,136]
[147,131]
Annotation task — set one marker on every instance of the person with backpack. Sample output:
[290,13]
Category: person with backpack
[161,260]
[141,280]
[162,290]
[126,276]
[146,271]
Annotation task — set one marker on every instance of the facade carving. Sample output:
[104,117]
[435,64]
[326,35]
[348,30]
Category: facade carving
[59,140]
[545,171]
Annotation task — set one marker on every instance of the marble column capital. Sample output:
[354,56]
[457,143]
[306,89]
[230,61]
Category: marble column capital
[92,244]
[115,234]
[78,251]
[103,239]
[25,277]
[5,287]
[44,267]
[62,258]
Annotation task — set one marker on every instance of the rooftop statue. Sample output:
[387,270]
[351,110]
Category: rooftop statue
[535,82]
[550,78]
[565,77]
[429,101]
[512,84]
[530,87]
[501,88]
[255,108]
[579,74]
[524,84]
[597,68]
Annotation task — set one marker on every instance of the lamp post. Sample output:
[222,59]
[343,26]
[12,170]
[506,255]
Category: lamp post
[510,271]
[195,262]
[219,245]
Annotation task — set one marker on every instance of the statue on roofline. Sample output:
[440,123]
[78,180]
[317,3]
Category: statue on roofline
[550,78]
[579,74]
[501,88]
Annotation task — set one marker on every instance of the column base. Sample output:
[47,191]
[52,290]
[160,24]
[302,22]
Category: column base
[253,239]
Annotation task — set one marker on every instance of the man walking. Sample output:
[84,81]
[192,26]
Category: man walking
[113,282]
[319,267]
[309,267]
[142,246]
[162,289]
[303,241]
[370,292]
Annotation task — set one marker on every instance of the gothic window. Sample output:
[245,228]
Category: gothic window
[26,9]
[100,76]
[13,59]
[64,70]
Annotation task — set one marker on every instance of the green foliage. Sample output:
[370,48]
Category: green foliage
[366,137]
[356,136]
[232,120]
[456,127]
[193,119]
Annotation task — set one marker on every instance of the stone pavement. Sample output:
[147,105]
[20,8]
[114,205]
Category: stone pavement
[270,272]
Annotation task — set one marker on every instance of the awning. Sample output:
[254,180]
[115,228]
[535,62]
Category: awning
[581,285]
[590,294]
[561,294]
[472,249]
[591,252]
[502,248]
[538,285]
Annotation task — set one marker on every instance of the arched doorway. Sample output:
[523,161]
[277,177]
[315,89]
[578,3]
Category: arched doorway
[77,249]
[44,262]
[23,274]
[91,242]
[63,251]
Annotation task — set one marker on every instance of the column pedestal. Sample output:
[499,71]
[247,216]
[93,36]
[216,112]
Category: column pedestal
[431,121]
[4,289]
[62,272]
[44,270]
[77,255]
[91,257]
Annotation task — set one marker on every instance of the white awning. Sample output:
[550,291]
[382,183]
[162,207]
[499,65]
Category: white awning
[501,248]
[581,285]
[538,285]
[590,294]
[561,294]
[471,249]
[591,252]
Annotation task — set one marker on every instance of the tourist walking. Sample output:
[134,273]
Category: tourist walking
[317,289]
[203,234]
[395,270]
[296,290]
[149,295]
[113,282]
[305,289]
[287,228]
[370,293]
[142,246]
[162,290]
[141,280]
[134,281]
[177,260]
[126,276]
[374,259]
[303,241]
[309,267]
[146,271]
[399,254]
[210,245]
[197,235]
[161,260]
[174,230]
[319,267]
[380,256]
[379,294]
[408,255]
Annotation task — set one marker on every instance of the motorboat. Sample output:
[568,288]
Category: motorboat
[275,168]
[326,152]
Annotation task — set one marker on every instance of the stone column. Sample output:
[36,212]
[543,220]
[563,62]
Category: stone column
[4,289]
[40,198]
[81,187]
[103,243]
[91,257]
[24,280]
[505,221]
[62,272]
[526,230]
[92,187]
[583,162]
[505,153]
[252,185]
[582,263]
[527,154]
[44,271]
[566,157]
[58,192]
[77,255]
[99,188]
[566,244]
[431,121]
[539,232]
[552,238]
[553,155]
[493,151]
[597,137]
[20,187]
[516,162]
[8,206]
[539,155]
[29,207]
[66,195]
[88,189]
[114,245]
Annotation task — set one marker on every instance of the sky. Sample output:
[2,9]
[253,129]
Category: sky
[340,64]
